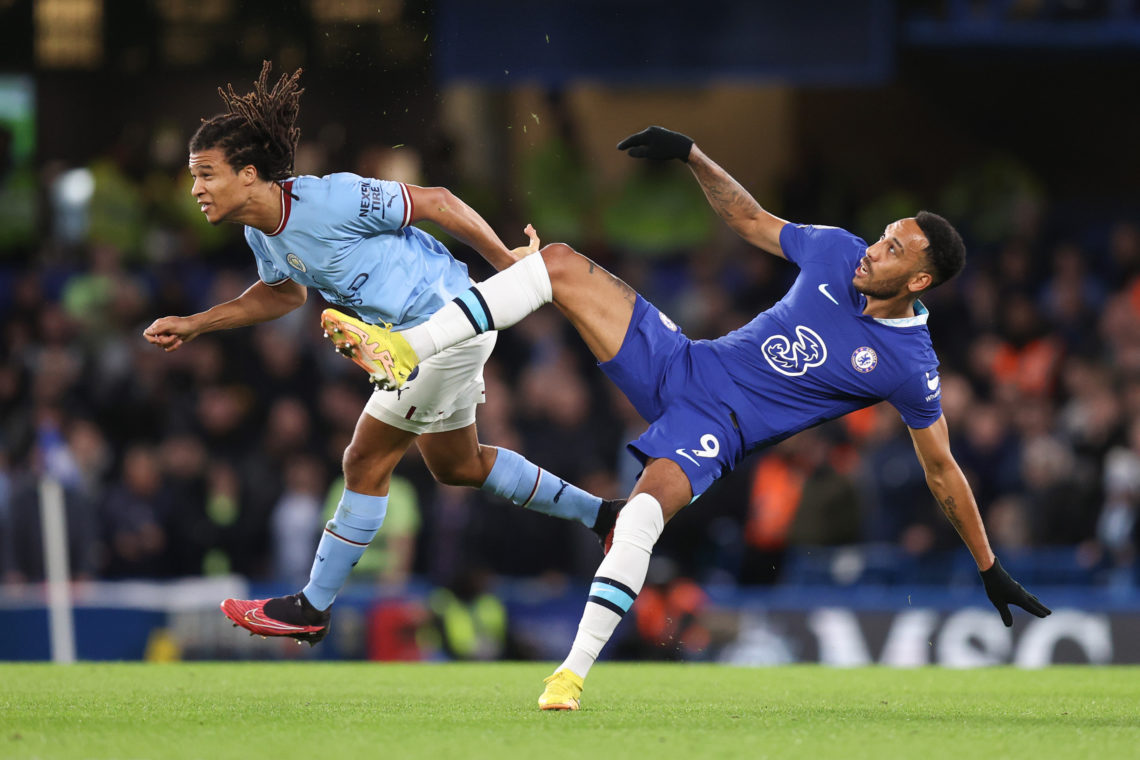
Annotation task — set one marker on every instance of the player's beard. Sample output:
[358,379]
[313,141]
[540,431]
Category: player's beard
[884,289]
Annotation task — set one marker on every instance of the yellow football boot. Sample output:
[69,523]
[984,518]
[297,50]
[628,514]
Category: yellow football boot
[383,354]
[563,689]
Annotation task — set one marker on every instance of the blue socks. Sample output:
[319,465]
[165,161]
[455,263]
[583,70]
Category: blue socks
[525,484]
[346,536]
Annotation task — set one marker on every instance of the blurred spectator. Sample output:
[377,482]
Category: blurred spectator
[469,621]
[1116,528]
[136,539]
[1061,506]
[295,523]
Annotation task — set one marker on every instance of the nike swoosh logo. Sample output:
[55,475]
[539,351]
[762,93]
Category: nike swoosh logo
[685,454]
[255,617]
[932,384]
[828,296]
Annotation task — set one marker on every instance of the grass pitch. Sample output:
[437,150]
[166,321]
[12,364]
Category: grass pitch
[369,710]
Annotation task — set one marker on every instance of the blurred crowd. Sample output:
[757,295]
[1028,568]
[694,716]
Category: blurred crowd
[224,456]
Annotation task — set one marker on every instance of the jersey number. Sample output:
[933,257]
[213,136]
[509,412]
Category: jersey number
[710,447]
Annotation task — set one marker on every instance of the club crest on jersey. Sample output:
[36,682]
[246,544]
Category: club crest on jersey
[667,322]
[295,262]
[793,358]
[864,359]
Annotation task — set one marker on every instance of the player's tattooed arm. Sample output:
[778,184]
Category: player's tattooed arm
[950,509]
[736,205]
[951,490]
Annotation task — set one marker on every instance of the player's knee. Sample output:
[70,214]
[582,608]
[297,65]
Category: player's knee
[365,469]
[640,522]
[559,259]
[468,472]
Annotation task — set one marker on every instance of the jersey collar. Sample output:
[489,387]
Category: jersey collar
[286,206]
[921,313]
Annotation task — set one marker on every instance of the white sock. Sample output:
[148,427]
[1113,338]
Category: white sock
[493,304]
[618,581]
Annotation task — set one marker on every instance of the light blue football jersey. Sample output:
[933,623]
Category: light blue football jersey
[348,237]
[815,356]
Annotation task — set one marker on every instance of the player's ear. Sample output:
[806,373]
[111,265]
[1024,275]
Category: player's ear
[920,281]
[248,173]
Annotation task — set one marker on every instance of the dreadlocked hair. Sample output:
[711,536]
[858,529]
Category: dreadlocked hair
[257,128]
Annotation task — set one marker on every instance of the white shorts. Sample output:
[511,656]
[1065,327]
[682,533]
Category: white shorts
[442,393]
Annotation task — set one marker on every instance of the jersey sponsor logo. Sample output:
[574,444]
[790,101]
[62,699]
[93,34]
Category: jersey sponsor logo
[373,198]
[934,384]
[295,262]
[667,322]
[793,358]
[864,359]
[828,296]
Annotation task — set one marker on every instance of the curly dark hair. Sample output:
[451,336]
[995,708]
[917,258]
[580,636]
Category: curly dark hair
[258,127]
[945,251]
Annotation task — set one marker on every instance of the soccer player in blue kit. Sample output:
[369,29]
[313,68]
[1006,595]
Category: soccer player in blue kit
[351,238]
[849,333]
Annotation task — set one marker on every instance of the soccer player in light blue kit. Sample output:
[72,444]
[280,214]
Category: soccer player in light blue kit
[851,332]
[351,238]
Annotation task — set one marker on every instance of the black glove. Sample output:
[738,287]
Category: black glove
[1004,591]
[659,143]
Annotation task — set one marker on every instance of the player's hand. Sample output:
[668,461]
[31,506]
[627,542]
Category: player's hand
[659,143]
[169,333]
[1004,591]
[532,247]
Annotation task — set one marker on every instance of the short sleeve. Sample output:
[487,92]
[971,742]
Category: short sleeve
[267,271]
[919,399]
[372,206]
[804,243]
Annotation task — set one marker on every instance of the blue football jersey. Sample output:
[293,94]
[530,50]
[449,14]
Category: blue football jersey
[815,356]
[348,237]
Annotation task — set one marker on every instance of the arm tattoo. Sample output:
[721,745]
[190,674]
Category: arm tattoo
[725,194]
[949,508]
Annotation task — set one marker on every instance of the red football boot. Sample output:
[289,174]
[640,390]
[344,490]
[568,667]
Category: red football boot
[282,616]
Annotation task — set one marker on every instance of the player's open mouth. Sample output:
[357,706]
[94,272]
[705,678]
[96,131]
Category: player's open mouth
[203,207]
[862,269]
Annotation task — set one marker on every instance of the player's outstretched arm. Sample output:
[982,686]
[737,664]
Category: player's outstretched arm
[456,218]
[259,303]
[954,495]
[728,198]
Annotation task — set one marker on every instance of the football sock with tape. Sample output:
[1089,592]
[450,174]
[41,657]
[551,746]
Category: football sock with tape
[618,581]
[493,304]
[346,536]
[526,484]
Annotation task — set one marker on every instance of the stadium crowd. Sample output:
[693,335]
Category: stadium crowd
[223,456]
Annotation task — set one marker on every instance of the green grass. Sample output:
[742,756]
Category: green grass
[367,710]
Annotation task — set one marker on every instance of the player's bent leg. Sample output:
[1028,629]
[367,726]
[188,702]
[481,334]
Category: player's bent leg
[494,304]
[597,303]
[457,458]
